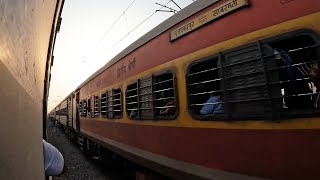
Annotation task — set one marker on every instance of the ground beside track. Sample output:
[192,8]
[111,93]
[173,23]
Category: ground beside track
[79,166]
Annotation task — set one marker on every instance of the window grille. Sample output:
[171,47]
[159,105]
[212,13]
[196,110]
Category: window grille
[296,57]
[80,108]
[117,103]
[104,104]
[265,79]
[203,84]
[84,108]
[152,98]
[89,106]
[96,106]
[132,102]
[111,104]
[164,96]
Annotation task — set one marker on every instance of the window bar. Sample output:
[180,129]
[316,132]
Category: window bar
[293,50]
[152,89]
[112,97]
[132,103]
[99,105]
[204,82]
[266,81]
[224,85]
[107,104]
[296,95]
[288,81]
[121,102]
[138,97]
[128,97]
[162,81]
[160,99]
[208,70]
[297,64]
[202,104]
[131,90]
[201,93]
[161,90]
[174,94]
[103,104]
[116,93]
[161,107]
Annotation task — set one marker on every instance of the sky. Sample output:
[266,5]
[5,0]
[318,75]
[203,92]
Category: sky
[89,37]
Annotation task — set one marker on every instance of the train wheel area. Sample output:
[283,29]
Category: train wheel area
[85,159]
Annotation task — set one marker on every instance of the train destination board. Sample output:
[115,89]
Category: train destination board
[211,15]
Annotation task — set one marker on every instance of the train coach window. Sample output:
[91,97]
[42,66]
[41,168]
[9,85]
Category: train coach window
[132,104]
[89,107]
[297,65]
[111,104]
[268,79]
[80,108]
[83,108]
[152,97]
[205,96]
[117,103]
[104,104]
[164,96]
[96,106]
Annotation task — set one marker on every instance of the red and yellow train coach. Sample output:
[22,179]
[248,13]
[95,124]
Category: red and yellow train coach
[220,89]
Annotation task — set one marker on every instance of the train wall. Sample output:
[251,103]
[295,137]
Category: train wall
[25,30]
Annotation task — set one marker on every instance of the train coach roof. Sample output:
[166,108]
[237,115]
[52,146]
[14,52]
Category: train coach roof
[164,26]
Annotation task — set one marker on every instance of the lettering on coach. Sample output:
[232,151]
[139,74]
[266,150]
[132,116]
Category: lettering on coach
[123,68]
[209,16]
[185,28]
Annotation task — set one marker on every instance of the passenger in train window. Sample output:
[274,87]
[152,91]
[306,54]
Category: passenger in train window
[314,73]
[167,104]
[133,114]
[212,106]
[293,73]
[169,107]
